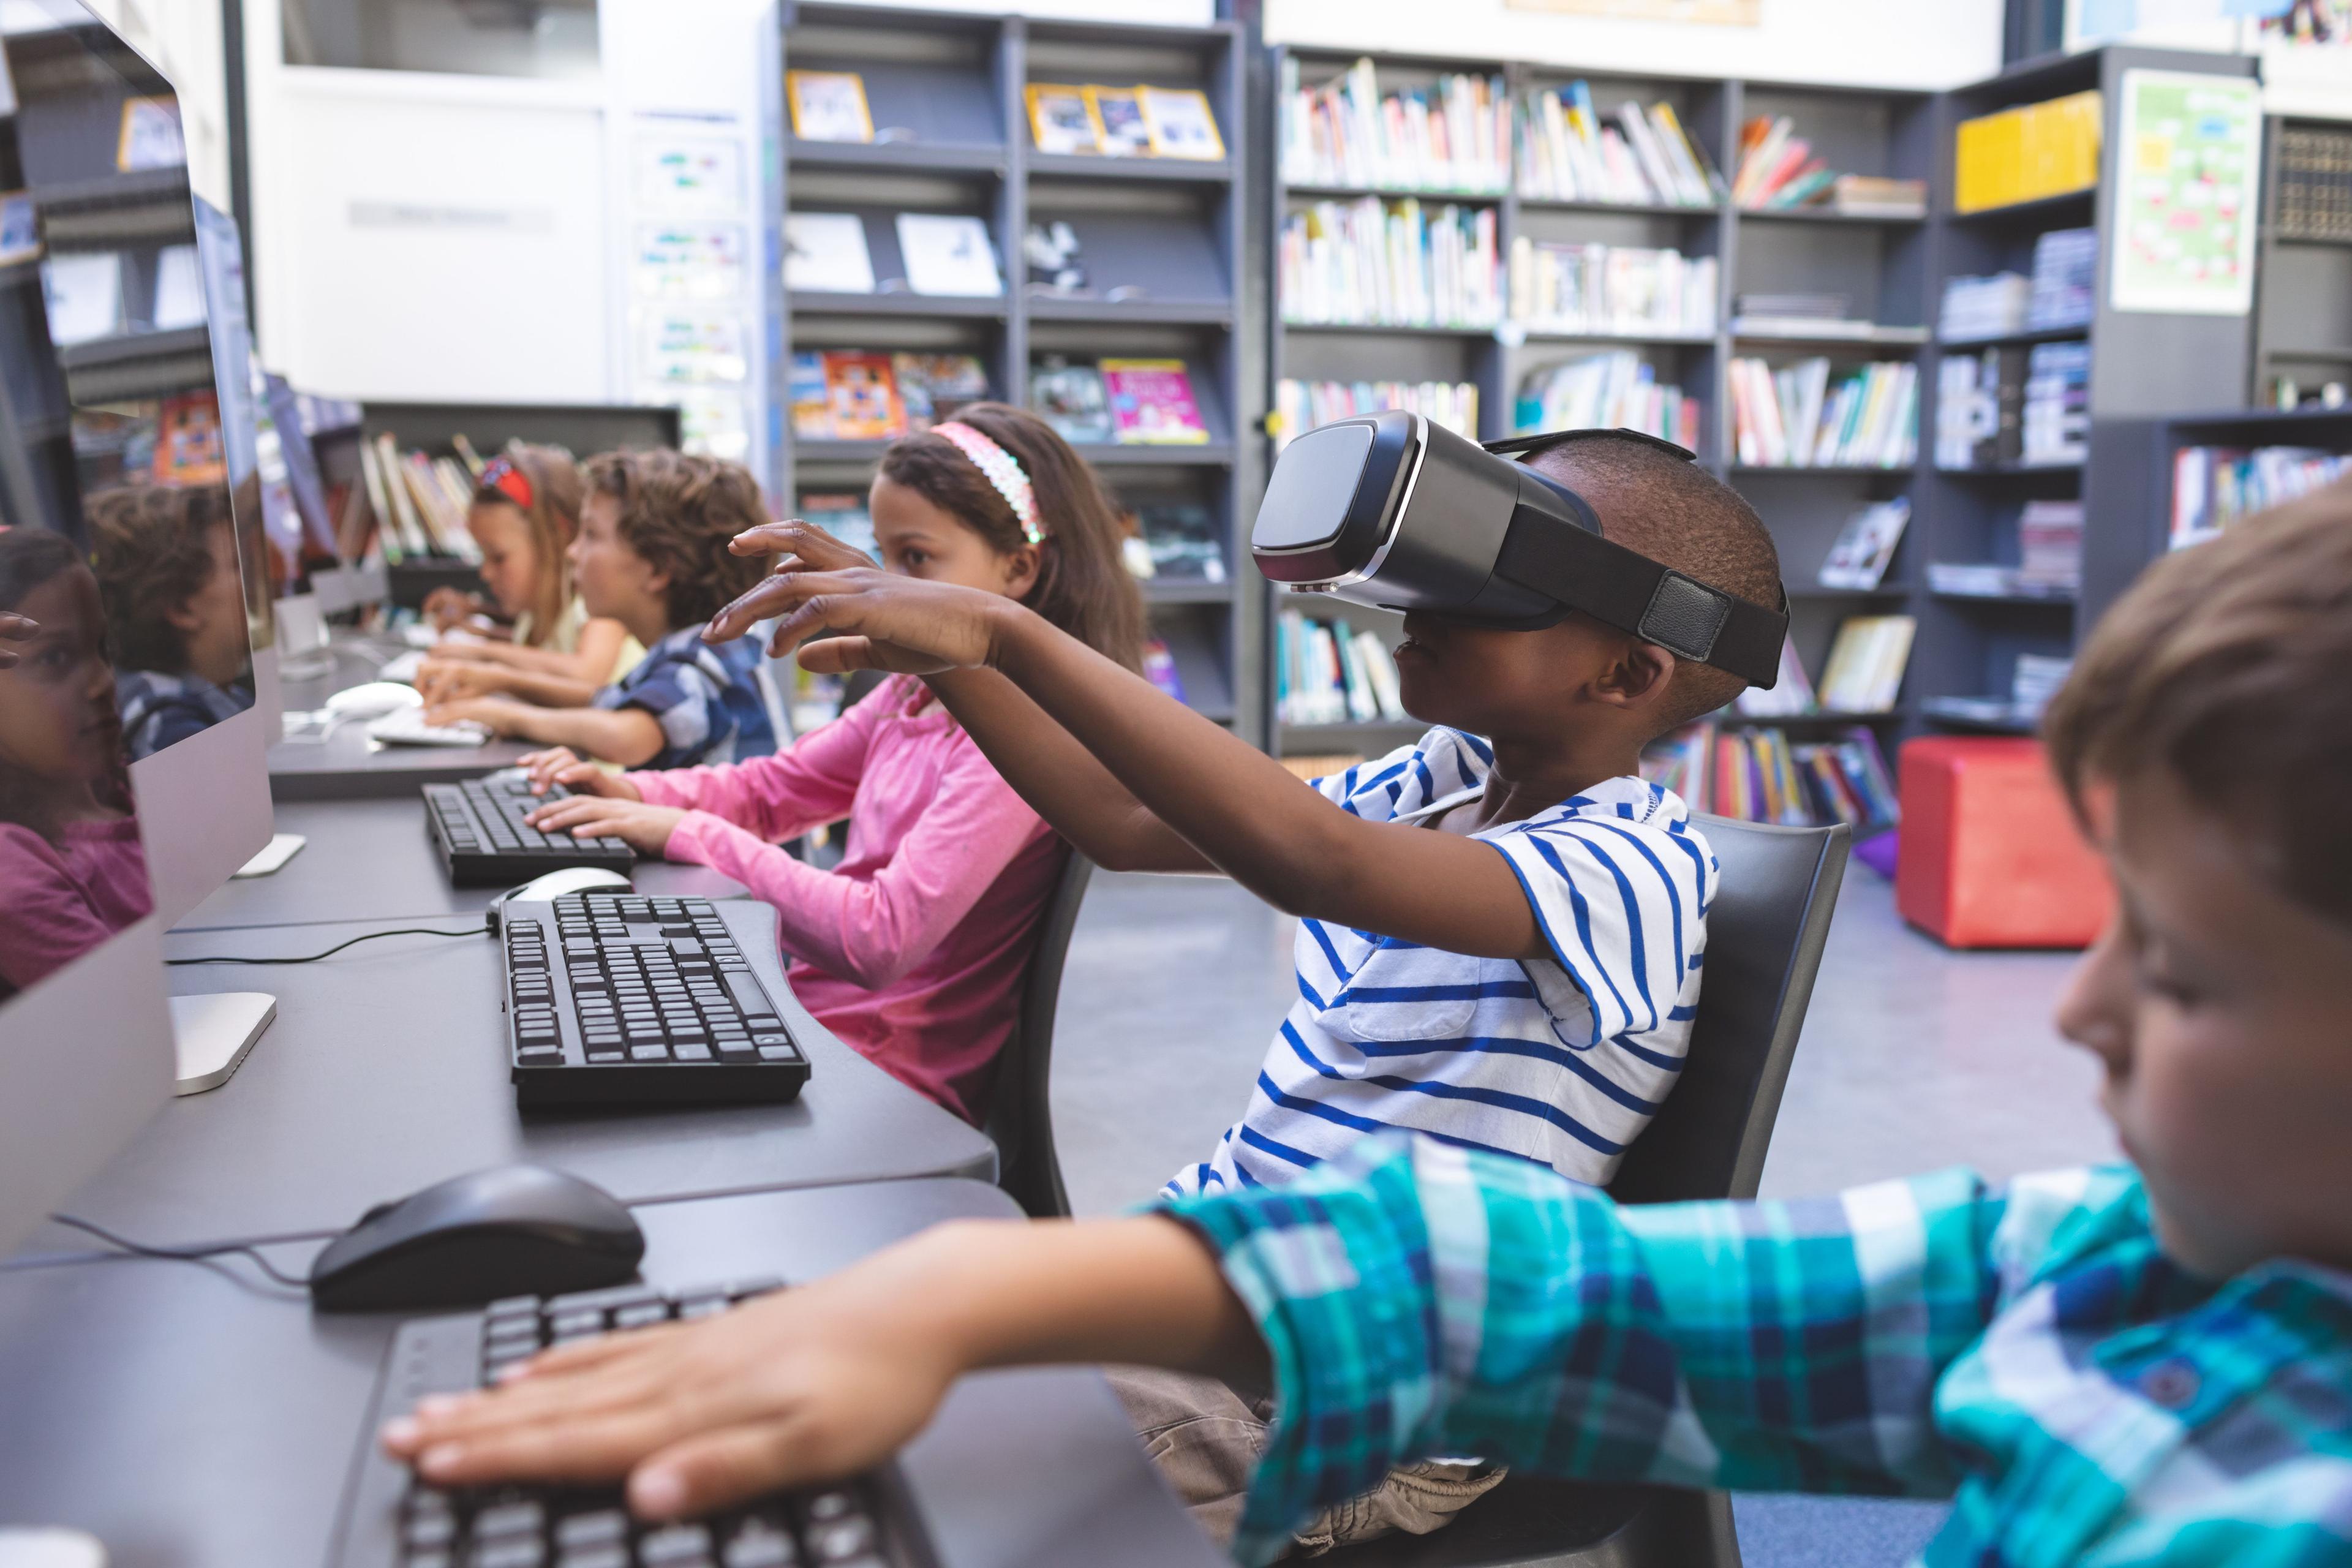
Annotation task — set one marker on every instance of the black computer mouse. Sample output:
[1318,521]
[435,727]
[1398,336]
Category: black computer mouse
[512,1230]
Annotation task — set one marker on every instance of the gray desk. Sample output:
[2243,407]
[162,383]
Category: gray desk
[187,1423]
[386,1072]
[347,765]
[374,860]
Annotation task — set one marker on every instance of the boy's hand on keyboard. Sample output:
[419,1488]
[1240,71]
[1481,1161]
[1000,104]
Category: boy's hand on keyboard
[442,679]
[562,765]
[644,828]
[498,715]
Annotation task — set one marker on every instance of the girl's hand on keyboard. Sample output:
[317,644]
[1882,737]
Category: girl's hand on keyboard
[562,765]
[644,828]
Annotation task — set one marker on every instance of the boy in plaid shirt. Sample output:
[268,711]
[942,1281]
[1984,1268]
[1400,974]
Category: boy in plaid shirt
[2148,1365]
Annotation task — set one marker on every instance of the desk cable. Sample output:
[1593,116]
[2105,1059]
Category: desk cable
[315,957]
[207,1257]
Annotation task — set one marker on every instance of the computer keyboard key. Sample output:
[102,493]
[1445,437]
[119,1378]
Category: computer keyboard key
[757,1545]
[676,1544]
[641,1317]
[593,1557]
[523,1551]
[426,1530]
[602,1528]
[509,1519]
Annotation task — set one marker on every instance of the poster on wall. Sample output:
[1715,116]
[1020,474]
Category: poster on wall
[2190,165]
[1721,12]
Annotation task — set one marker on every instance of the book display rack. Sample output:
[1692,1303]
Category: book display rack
[2303,314]
[1101,168]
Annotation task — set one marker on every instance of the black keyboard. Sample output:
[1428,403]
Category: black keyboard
[397,1522]
[479,828]
[617,998]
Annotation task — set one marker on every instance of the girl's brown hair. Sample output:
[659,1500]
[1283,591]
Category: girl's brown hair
[553,518]
[152,547]
[1082,586]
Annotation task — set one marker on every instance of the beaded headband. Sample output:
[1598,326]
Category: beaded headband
[1002,469]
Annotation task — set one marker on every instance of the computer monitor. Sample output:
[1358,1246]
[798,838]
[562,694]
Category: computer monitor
[119,441]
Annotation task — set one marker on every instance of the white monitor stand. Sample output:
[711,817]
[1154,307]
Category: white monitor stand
[214,1033]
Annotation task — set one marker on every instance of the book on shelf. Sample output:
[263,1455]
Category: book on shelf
[1180,540]
[1991,580]
[1797,316]
[1778,171]
[1327,672]
[1390,264]
[1069,397]
[1604,289]
[83,292]
[1449,136]
[2214,487]
[948,254]
[828,106]
[1151,402]
[1614,390]
[1877,195]
[1792,418]
[2049,546]
[856,395]
[1120,128]
[1568,151]
[1992,306]
[1055,257]
[1160,668]
[2065,291]
[1864,670]
[2036,680]
[2315,183]
[933,387]
[1980,399]
[188,450]
[1059,119]
[419,501]
[826,252]
[2054,419]
[1180,123]
[2025,153]
[1301,405]
[1866,546]
[861,393]
[1755,774]
[812,415]
[844,515]
[1789,695]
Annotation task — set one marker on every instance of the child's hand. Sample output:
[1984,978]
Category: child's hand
[815,1384]
[16,628]
[498,715]
[644,828]
[447,607]
[903,625]
[440,679]
[562,765]
[799,546]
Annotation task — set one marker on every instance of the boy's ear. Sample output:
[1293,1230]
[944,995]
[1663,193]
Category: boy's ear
[1639,675]
[182,617]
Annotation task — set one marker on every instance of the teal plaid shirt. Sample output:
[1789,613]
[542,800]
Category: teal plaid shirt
[2028,1353]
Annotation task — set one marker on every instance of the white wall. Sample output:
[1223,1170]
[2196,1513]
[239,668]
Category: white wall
[1874,43]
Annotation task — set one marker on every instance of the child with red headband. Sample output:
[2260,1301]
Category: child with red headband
[913,948]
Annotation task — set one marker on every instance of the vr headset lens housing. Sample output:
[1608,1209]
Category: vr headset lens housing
[1390,511]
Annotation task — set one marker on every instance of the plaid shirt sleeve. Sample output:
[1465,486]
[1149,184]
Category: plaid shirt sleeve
[1429,1299]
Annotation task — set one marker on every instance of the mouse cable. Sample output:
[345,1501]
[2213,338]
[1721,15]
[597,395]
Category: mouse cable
[207,1256]
[313,958]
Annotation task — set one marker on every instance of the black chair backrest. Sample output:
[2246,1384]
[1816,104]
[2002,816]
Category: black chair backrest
[1020,1115]
[1765,933]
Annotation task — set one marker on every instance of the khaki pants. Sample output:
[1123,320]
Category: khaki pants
[1206,1439]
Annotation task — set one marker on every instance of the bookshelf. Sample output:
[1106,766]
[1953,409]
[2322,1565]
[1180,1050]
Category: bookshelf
[2141,365]
[1163,244]
[2303,308]
[1879,263]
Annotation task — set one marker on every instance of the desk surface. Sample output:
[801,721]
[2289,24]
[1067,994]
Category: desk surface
[373,860]
[186,1422]
[386,1072]
[346,764]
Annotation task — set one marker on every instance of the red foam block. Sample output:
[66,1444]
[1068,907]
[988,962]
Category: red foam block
[1991,857]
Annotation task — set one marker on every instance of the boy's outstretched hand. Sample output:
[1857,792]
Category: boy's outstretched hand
[902,624]
[16,628]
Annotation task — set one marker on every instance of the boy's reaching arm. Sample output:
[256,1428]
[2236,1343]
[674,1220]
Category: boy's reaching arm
[629,736]
[1242,810]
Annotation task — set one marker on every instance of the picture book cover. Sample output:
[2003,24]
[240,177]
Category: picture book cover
[829,106]
[842,514]
[1151,402]
[1183,541]
[862,393]
[948,254]
[812,411]
[1059,120]
[1120,125]
[932,387]
[1070,398]
[826,252]
[1159,668]
[1181,123]
[1865,545]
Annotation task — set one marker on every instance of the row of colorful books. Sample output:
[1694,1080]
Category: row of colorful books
[1619,389]
[1568,288]
[1131,402]
[2049,559]
[1778,170]
[2214,487]
[1449,136]
[854,395]
[419,502]
[1759,775]
[2060,294]
[1791,418]
[945,254]
[1330,673]
[1301,405]
[2024,153]
[1166,539]
[1569,151]
[1123,121]
[1863,674]
[1390,264]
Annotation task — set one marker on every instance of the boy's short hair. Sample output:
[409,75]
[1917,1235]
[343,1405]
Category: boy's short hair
[151,546]
[679,512]
[2228,666]
[1678,514]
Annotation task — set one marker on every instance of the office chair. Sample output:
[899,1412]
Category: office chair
[1764,939]
[1020,1114]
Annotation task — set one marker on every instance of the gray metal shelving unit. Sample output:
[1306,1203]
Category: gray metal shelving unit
[2303,310]
[1166,246]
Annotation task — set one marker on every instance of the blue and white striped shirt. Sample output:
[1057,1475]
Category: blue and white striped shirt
[1561,1061]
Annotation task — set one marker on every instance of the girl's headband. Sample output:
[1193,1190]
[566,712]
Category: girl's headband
[1002,469]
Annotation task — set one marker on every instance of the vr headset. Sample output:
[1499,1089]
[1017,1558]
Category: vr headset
[1390,511]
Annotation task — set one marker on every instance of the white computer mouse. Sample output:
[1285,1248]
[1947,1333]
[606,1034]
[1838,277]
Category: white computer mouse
[24,1547]
[571,879]
[372,699]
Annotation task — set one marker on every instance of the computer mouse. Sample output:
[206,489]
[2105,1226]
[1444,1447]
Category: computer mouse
[512,1230]
[372,699]
[571,879]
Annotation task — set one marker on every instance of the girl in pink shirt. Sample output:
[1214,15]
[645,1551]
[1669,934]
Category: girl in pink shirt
[913,949]
[71,870]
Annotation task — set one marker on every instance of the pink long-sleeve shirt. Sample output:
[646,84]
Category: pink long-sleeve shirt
[913,949]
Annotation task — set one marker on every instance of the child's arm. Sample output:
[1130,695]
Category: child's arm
[592,661]
[1238,808]
[624,735]
[1432,1302]
[449,680]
